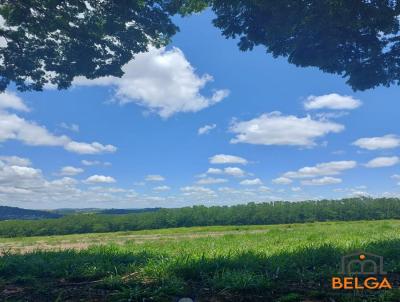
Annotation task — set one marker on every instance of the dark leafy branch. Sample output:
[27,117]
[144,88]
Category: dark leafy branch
[358,39]
[52,41]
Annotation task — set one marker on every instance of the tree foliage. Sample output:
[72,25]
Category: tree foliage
[51,41]
[358,39]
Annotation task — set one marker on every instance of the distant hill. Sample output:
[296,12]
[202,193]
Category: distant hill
[128,211]
[71,211]
[7,213]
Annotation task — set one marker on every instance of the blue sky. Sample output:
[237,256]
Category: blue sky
[198,122]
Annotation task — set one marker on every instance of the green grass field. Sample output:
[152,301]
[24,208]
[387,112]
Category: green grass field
[247,263]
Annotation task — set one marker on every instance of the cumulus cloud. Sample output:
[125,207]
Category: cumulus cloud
[25,183]
[251,182]
[89,148]
[322,169]
[9,100]
[94,163]
[227,159]
[211,180]
[282,181]
[332,101]
[21,177]
[206,129]
[380,162]
[14,127]
[26,186]
[99,179]
[70,171]
[264,189]
[277,129]
[214,171]
[154,177]
[162,81]
[359,194]
[326,180]
[388,141]
[162,188]
[230,171]
[70,127]
[234,171]
[16,160]
[196,190]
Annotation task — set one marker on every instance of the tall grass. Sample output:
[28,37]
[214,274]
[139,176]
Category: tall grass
[285,263]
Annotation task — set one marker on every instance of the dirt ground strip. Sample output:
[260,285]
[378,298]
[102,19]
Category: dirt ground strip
[19,246]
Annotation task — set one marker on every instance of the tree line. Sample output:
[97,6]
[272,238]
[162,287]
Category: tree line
[279,212]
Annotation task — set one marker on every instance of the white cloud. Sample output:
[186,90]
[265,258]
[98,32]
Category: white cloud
[359,194]
[227,159]
[230,171]
[162,81]
[296,189]
[108,189]
[195,190]
[326,180]
[19,176]
[264,189]
[22,183]
[234,171]
[251,182]
[206,129]
[9,100]
[214,171]
[89,148]
[211,180]
[94,163]
[27,187]
[13,127]
[282,181]
[322,169]
[276,129]
[71,127]
[383,161]
[154,177]
[161,188]
[388,141]
[332,101]
[65,181]
[396,176]
[16,161]
[100,179]
[90,162]
[70,171]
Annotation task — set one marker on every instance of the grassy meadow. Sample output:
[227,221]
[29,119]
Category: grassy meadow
[292,262]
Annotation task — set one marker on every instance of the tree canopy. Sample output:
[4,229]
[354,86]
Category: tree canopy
[51,41]
[358,39]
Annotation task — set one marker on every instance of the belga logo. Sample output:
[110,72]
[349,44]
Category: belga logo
[361,271]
